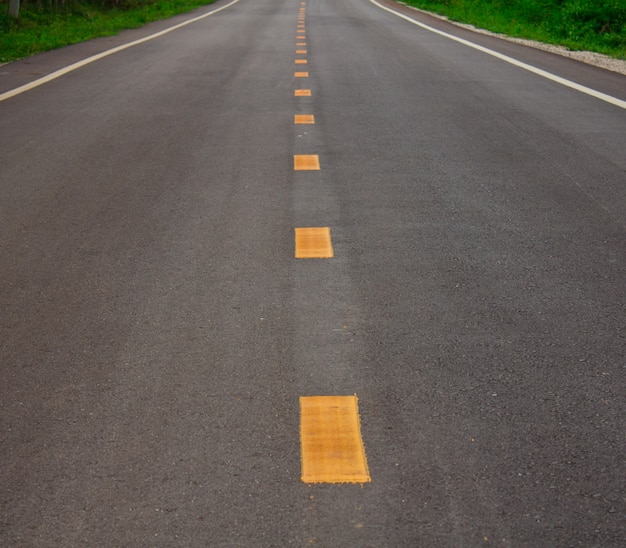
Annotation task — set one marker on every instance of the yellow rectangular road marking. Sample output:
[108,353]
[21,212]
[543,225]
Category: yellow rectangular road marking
[300,44]
[304,119]
[301,74]
[306,162]
[300,61]
[330,438]
[314,243]
[300,52]
[302,93]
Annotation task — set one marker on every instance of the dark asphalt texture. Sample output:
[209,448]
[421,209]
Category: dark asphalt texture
[157,331]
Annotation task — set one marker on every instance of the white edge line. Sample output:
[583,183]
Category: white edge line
[568,83]
[58,73]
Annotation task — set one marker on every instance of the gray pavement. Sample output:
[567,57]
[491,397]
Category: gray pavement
[157,331]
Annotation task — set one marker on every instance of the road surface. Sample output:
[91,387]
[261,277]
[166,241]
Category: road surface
[157,331]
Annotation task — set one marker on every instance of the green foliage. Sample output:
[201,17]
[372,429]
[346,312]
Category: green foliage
[49,24]
[584,20]
[596,25]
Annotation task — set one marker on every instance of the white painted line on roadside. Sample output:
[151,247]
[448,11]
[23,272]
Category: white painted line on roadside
[545,74]
[58,73]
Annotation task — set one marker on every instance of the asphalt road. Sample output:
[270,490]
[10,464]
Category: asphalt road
[157,331]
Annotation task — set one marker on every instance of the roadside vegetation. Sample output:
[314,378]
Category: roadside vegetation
[47,24]
[594,25]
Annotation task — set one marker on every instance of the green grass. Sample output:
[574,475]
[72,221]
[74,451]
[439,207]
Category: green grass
[42,29]
[594,25]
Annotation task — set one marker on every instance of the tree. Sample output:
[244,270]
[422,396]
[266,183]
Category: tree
[14,8]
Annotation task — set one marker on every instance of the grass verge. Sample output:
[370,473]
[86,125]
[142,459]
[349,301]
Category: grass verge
[593,25]
[43,29]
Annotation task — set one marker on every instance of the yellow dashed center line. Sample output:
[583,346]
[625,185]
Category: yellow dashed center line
[304,119]
[313,243]
[330,438]
[330,430]
[306,162]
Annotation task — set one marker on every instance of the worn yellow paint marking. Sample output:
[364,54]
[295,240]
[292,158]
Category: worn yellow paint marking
[306,162]
[301,74]
[300,61]
[330,438]
[300,52]
[304,119]
[302,93]
[300,44]
[314,243]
